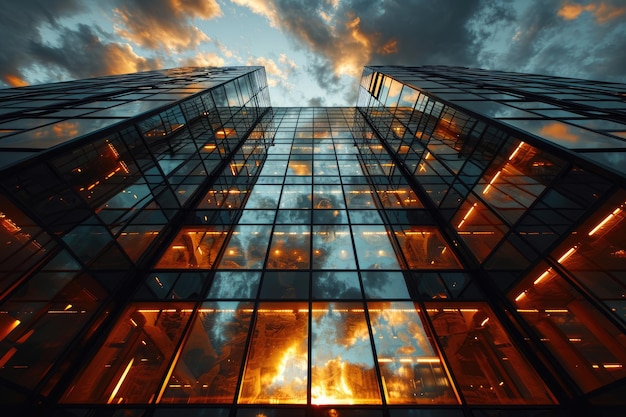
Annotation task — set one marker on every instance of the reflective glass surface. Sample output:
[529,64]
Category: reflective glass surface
[276,366]
[342,363]
[430,252]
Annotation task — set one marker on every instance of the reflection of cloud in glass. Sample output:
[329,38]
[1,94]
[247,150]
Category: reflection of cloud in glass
[406,356]
[247,247]
[332,248]
[336,285]
[342,360]
[235,284]
[384,284]
[558,131]
[276,367]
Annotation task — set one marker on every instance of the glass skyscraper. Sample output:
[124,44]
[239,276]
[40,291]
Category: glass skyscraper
[173,245]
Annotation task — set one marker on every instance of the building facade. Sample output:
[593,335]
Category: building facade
[454,245]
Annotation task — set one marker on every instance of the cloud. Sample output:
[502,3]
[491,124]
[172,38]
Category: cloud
[164,24]
[557,40]
[558,130]
[342,37]
[286,61]
[21,21]
[261,7]
[82,53]
[277,73]
[204,59]
[316,102]
[603,12]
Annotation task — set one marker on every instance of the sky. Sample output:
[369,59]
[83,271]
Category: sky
[313,50]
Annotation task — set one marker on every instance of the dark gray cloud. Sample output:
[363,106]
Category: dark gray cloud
[83,51]
[343,38]
[563,38]
[566,38]
[338,37]
[20,29]
[316,102]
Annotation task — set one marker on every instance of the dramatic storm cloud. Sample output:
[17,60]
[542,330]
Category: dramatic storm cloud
[34,41]
[164,24]
[313,50]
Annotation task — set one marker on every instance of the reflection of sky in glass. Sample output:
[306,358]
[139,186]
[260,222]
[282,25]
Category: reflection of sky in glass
[412,371]
[373,248]
[566,135]
[210,361]
[263,197]
[384,284]
[247,247]
[342,363]
[336,285]
[276,367]
[332,248]
[235,284]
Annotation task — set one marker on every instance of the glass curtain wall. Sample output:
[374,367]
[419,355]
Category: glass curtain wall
[304,294]
[215,256]
[540,227]
[79,223]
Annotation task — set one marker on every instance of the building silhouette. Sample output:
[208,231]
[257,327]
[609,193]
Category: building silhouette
[173,245]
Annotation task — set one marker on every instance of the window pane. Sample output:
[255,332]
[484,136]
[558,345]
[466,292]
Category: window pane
[296,197]
[342,362]
[263,197]
[384,284]
[210,361]
[373,248]
[34,334]
[285,285]
[235,284]
[412,372]
[131,363]
[336,285]
[247,248]
[486,365]
[290,248]
[276,366]
[332,248]
[194,247]
[359,197]
[425,248]
[300,167]
[587,344]
[479,227]
[328,197]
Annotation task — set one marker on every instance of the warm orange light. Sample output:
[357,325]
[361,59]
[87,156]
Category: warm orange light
[542,276]
[340,392]
[605,221]
[567,254]
[558,130]
[113,150]
[14,80]
[495,177]
[516,150]
[8,224]
[121,381]
[469,212]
